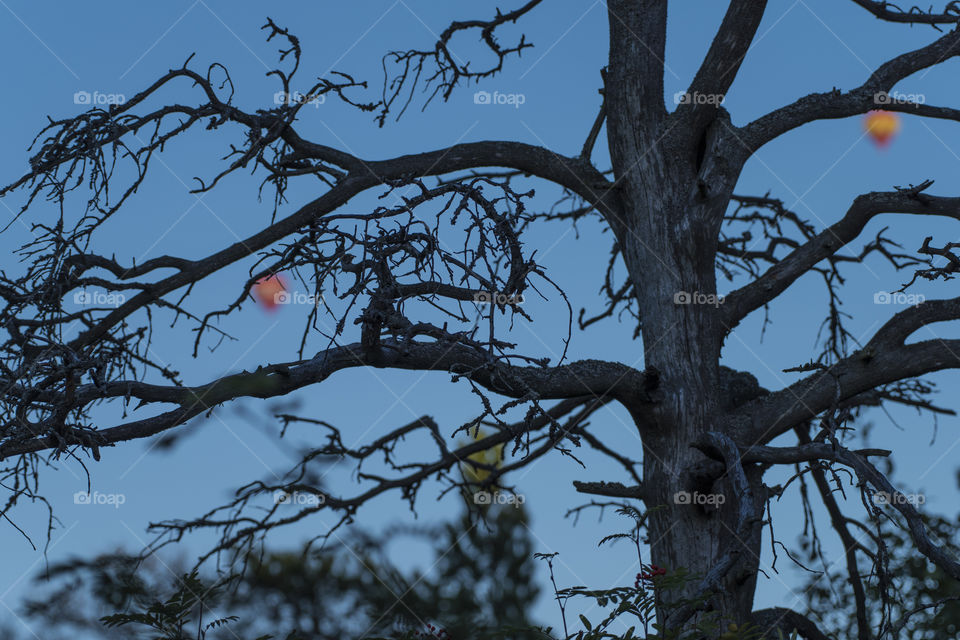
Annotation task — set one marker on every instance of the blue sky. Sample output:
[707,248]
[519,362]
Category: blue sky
[802,46]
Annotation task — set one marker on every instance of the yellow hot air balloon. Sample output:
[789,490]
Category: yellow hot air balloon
[881,126]
[492,457]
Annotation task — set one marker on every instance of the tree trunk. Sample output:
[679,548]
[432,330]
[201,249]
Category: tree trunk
[675,180]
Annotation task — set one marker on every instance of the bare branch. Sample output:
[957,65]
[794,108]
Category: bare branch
[934,552]
[883,360]
[873,94]
[442,70]
[239,531]
[914,15]
[829,242]
[541,382]
[850,545]
[609,489]
[591,140]
[785,455]
[727,52]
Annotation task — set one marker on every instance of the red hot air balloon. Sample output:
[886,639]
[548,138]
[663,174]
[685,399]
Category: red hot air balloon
[271,291]
[881,126]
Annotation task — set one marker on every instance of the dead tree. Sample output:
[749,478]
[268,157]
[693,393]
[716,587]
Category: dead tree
[453,248]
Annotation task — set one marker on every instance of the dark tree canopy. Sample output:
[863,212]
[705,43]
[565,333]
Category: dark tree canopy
[435,282]
[482,585]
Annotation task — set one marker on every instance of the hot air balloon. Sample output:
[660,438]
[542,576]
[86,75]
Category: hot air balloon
[492,457]
[881,126]
[271,291]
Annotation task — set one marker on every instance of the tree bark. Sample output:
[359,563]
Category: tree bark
[675,177]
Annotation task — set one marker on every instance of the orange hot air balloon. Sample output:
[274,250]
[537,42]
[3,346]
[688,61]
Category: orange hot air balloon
[881,126]
[271,291]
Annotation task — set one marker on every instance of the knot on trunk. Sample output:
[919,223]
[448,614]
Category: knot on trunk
[738,388]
